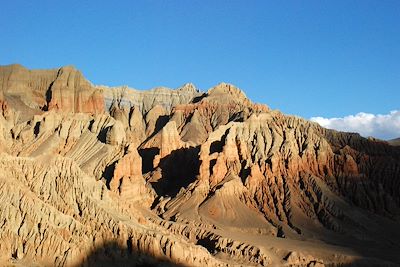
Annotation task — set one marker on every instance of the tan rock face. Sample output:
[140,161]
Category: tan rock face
[64,89]
[116,134]
[92,175]
[128,182]
[165,141]
[70,91]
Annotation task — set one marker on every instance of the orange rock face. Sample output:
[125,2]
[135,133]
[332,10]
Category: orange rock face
[71,92]
[64,89]
[128,182]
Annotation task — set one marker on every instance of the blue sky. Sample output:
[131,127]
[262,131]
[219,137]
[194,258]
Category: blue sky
[310,58]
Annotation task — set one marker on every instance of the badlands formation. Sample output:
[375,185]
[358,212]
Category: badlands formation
[99,176]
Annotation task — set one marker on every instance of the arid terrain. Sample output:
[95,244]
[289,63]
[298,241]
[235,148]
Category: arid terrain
[99,176]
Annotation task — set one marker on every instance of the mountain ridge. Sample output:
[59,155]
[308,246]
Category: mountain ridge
[395,142]
[190,177]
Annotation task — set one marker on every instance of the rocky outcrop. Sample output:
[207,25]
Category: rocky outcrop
[71,92]
[63,89]
[146,100]
[57,215]
[93,175]
[115,134]
[128,182]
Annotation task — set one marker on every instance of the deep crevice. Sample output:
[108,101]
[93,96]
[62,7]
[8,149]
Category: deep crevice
[178,169]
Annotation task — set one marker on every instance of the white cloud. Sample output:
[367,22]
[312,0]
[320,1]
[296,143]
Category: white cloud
[383,126]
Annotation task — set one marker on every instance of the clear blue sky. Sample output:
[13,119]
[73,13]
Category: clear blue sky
[310,58]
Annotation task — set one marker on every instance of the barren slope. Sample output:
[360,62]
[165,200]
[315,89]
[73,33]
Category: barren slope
[115,176]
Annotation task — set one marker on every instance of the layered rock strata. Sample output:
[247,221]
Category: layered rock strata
[101,176]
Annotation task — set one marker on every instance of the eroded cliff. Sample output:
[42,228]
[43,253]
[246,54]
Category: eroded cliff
[93,175]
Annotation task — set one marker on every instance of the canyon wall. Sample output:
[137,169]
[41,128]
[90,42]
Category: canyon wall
[100,176]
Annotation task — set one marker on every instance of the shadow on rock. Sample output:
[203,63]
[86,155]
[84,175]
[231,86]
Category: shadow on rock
[148,155]
[179,169]
[111,254]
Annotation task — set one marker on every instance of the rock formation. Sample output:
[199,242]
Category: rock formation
[62,89]
[99,176]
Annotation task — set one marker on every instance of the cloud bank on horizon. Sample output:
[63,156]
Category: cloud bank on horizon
[383,126]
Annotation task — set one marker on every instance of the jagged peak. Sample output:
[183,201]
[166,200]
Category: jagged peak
[226,88]
[69,68]
[188,88]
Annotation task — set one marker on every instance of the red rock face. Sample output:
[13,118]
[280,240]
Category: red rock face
[195,179]
[64,89]
[71,92]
